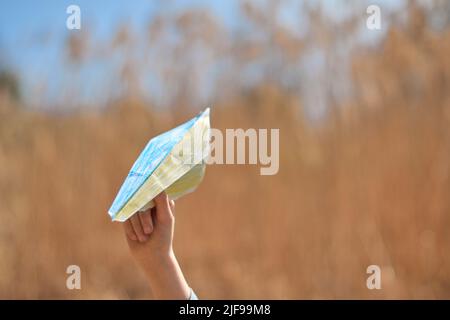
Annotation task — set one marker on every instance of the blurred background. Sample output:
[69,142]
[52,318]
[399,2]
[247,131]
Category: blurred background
[364,121]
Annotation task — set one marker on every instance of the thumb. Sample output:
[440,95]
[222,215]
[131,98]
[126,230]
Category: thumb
[164,212]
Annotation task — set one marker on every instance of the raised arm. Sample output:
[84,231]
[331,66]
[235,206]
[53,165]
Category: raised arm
[150,236]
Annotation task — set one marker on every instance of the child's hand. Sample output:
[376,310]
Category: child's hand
[150,237]
[152,230]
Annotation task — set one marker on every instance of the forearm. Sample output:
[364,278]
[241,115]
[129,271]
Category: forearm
[166,278]
[154,253]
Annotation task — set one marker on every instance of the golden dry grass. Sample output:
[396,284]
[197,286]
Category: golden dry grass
[370,185]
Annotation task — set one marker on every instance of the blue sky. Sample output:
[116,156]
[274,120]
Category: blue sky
[22,20]
[32,33]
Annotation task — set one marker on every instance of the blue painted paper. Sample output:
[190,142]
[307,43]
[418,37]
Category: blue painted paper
[153,154]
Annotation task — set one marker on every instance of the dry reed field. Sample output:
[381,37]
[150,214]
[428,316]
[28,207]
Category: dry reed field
[368,183]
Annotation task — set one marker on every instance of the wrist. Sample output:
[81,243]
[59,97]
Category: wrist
[166,278]
[160,261]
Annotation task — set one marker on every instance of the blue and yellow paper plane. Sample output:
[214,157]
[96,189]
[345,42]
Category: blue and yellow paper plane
[172,161]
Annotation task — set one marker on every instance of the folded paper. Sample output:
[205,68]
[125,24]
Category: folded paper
[171,162]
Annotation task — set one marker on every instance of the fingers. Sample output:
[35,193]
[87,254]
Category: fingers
[172,207]
[137,227]
[141,225]
[146,221]
[129,230]
[163,208]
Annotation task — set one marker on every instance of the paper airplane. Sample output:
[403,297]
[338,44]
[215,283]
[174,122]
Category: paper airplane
[171,162]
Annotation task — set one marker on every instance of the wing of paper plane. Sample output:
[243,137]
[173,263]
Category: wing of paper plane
[171,162]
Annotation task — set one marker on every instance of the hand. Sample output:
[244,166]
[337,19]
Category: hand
[150,237]
[154,228]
